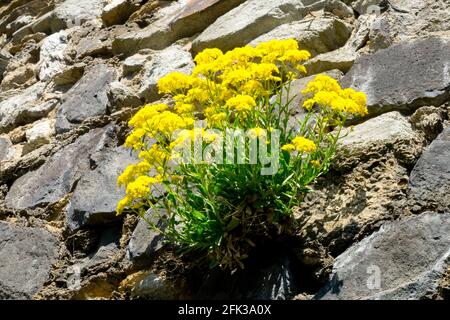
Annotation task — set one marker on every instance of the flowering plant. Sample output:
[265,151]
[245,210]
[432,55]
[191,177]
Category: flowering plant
[199,153]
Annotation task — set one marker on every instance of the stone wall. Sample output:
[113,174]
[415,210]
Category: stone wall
[73,72]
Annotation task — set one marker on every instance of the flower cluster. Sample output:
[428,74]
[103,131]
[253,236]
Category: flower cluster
[246,88]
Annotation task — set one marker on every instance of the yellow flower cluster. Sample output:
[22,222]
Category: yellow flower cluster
[326,92]
[300,144]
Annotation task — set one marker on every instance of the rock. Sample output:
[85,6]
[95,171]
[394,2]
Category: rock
[118,11]
[96,195]
[19,78]
[366,6]
[393,78]
[153,286]
[145,242]
[5,145]
[134,63]
[52,60]
[317,35]
[23,108]
[27,255]
[88,98]
[404,260]
[250,20]
[122,97]
[57,177]
[375,137]
[72,13]
[69,75]
[430,179]
[162,63]
[345,207]
[39,134]
[430,120]
[409,19]
[181,19]
[339,9]
[4,60]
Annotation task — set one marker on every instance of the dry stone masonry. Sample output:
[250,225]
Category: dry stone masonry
[73,72]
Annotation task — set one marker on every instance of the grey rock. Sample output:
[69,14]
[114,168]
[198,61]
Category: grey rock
[430,178]
[430,120]
[145,241]
[26,256]
[404,260]
[395,78]
[122,96]
[134,63]
[317,35]
[39,134]
[180,19]
[250,20]
[22,108]
[5,145]
[96,195]
[4,60]
[69,75]
[174,58]
[118,11]
[153,286]
[88,98]
[339,9]
[57,177]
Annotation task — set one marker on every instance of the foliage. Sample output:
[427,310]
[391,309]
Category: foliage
[217,197]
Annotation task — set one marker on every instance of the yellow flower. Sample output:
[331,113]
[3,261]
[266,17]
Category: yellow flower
[241,103]
[175,82]
[316,164]
[288,147]
[208,56]
[155,155]
[304,145]
[139,120]
[132,172]
[322,83]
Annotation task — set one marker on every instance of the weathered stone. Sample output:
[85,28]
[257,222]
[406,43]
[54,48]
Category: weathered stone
[122,96]
[430,178]
[4,59]
[179,20]
[153,286]
[19,78]
[69,75]
[52,58]
[343,58]
[5,145]
[430,120]
[395,78]
[88,98]
[134,63]
[163,62]
[27,255]
[22,108]
[250,20]
[39,134]
[57,177]
[72,13]
[145,242]
[367,6]
[404,260]
[317,35]
[409,19]
[390,131]
[96,195]
[339,9]
[118,11]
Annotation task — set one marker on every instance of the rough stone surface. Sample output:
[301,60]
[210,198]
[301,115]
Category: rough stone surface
[395,78]
[21,108]
[88,98]
[26,256]
[52,55]
[96,195]
[430,178]
[174,58]
[118,11]
[5,145]
[56,177]
[144,241]
[74,13]
[250,20]
[179,20]
[317,35]
[39,134]
[404,260]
